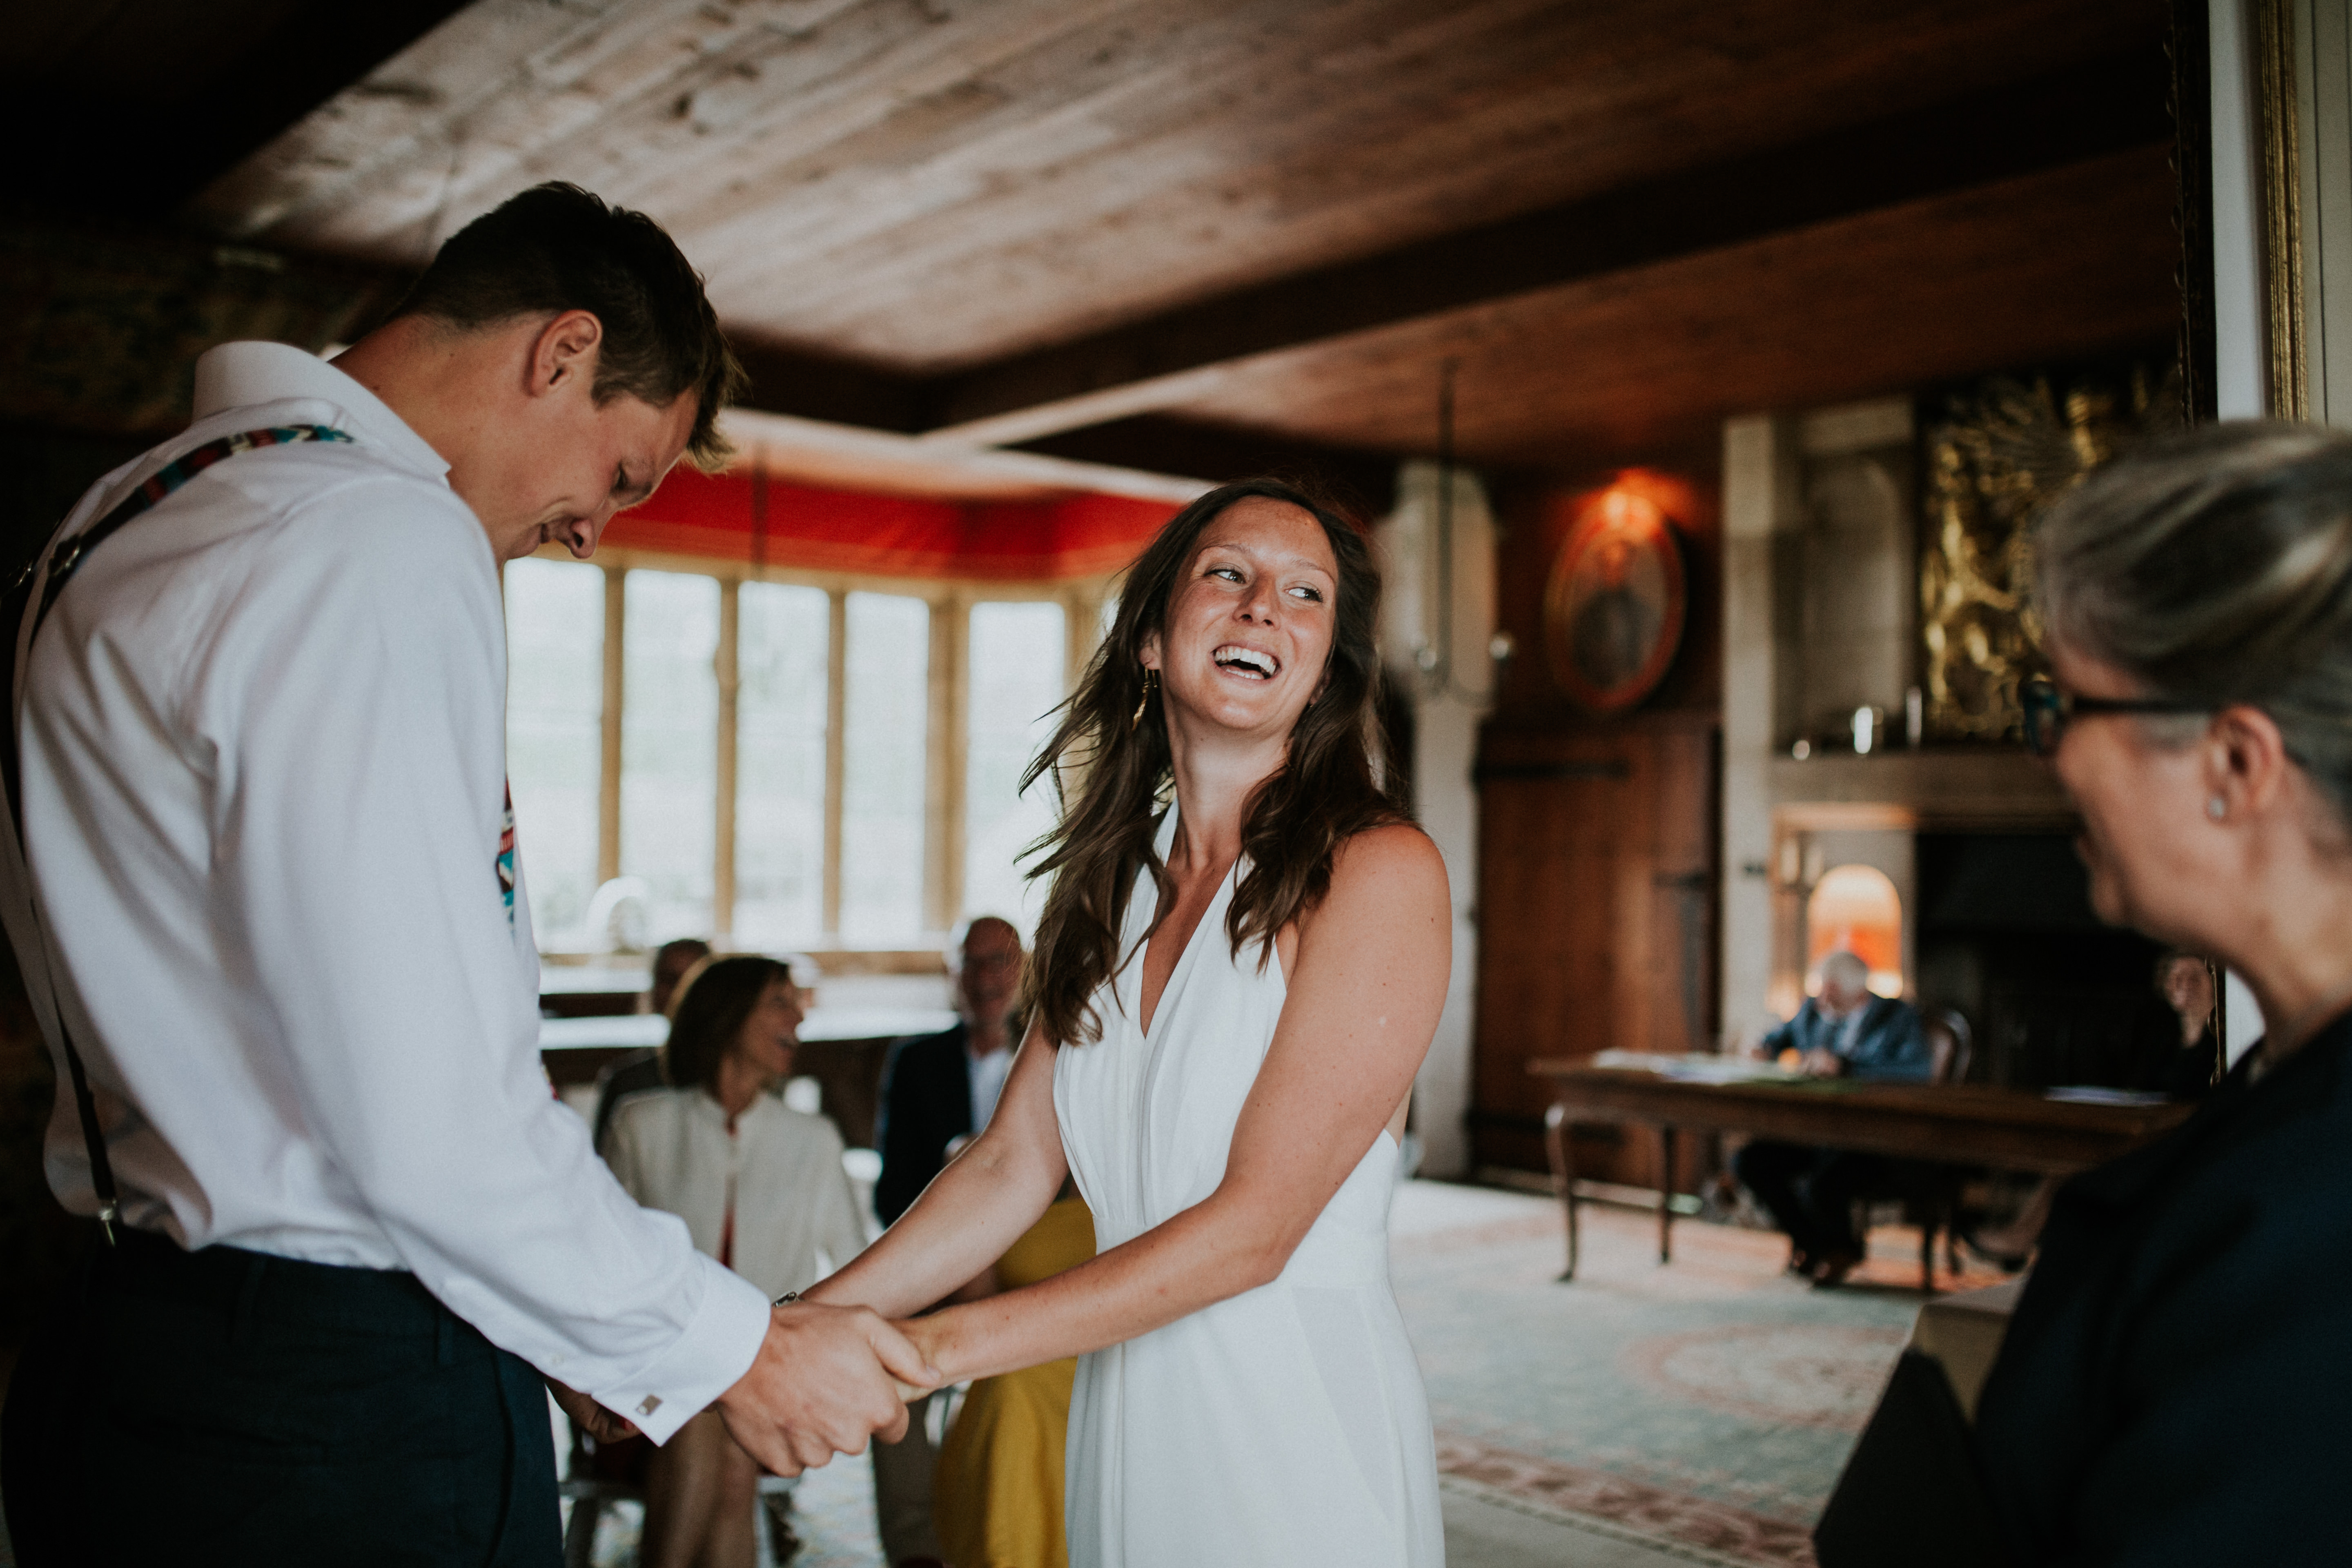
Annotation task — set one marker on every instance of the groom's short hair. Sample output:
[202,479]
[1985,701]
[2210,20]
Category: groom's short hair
[556,248]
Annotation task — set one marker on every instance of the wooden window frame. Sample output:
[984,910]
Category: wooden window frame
[947,709]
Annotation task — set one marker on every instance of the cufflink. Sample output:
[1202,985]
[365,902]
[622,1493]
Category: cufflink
[650,1403]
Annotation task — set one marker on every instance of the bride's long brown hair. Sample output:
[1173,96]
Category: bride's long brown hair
[1325,792]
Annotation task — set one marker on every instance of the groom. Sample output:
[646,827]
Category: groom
[264,889]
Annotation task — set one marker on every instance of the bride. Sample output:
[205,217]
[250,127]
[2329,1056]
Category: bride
[1228,1004]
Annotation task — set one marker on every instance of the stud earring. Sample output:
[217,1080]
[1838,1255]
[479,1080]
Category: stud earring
[2217,808]
[1150,683]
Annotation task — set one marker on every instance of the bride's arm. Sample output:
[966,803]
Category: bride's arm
[1364,993]
[974,1209]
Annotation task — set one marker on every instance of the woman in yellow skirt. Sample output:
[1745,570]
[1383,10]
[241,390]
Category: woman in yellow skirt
[997,1500]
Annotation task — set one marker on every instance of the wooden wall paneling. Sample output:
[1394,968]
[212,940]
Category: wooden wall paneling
[1684,891]
[1547,981]
[1568,861]
[1597,894]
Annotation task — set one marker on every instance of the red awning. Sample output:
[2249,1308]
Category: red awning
[742,517]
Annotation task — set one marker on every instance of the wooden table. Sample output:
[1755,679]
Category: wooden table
[1962,1124]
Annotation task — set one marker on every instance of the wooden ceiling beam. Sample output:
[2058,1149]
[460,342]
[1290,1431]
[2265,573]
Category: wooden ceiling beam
[1364,482]
[2100,107]
[806,386]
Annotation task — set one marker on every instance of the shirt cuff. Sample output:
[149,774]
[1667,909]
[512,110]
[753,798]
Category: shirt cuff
[717,1348]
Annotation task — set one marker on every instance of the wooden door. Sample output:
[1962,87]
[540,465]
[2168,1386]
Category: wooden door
[1596,921]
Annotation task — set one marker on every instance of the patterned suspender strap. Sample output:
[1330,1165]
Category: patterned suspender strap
[64,560]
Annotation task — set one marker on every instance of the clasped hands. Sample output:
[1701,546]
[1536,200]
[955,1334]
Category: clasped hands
[826,1380]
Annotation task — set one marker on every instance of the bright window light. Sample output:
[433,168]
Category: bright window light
[1016,680]
[555,705]
[885,720]
[669,747]
[781,650]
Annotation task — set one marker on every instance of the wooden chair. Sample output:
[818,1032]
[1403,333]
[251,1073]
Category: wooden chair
[1929,1192]
[590,1496]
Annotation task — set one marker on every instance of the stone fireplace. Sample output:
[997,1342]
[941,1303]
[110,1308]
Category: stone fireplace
[1820,619]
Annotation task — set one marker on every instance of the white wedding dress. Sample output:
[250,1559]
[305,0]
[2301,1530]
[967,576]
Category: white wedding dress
[1285,1426]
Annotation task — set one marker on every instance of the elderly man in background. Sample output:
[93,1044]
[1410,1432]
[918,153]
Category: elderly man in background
[939,1090]
[672,961]
[1844,1032]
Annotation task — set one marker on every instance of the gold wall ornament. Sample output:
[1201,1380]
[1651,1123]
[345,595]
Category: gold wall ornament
[2276,117]
[2004,449]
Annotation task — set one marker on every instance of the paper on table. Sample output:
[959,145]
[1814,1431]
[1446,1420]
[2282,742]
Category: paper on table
[1695,1068]
[2098,1094]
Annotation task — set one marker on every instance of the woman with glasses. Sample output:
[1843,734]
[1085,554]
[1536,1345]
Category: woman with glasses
[2176,1385]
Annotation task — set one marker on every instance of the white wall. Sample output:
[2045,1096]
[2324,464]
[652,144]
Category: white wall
[1446,743]
[2238,358]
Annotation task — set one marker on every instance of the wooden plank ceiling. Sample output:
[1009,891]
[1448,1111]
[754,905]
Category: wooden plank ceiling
[1077,223]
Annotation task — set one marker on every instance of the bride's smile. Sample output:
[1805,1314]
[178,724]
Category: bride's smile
[1250,624]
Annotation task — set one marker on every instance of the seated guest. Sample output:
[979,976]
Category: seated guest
[940,1087]
[1846,1031]
[2173,1052]
[2179,1055]
[999,1488]
[938,1090]
[672,961]
[761,1189]
[2172,1385]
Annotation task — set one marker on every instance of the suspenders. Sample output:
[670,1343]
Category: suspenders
[63,560]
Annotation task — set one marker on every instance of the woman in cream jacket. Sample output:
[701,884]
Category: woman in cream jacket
[761,1187]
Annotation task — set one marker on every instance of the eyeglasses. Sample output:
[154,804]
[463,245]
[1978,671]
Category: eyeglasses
[2048,710]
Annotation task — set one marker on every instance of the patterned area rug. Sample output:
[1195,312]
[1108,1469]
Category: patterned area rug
[1704,1408]
[1707,1404]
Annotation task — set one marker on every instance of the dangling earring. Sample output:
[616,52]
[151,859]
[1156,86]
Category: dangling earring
[1150,682]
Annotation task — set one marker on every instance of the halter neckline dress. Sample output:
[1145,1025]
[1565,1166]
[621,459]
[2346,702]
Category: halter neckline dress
[1286,1426]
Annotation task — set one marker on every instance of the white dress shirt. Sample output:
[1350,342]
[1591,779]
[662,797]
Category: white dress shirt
[795,1212]
[987,1074]
[264,757]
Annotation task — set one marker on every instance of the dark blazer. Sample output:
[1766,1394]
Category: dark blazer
[1890,1044]
[2176,1387]
[926,1103]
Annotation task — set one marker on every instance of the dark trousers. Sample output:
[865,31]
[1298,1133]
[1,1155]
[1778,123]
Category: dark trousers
[229,1407]
[1811,1192]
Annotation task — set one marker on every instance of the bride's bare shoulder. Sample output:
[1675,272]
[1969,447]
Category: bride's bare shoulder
[1387,887]
[1394,862]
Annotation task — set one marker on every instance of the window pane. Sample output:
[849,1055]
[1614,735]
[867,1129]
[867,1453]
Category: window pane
[1017,654]
[780,637]
[669,746]
[555,715]
[884,718]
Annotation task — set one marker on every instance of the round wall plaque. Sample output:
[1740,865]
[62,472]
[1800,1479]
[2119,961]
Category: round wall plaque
[1613,612]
